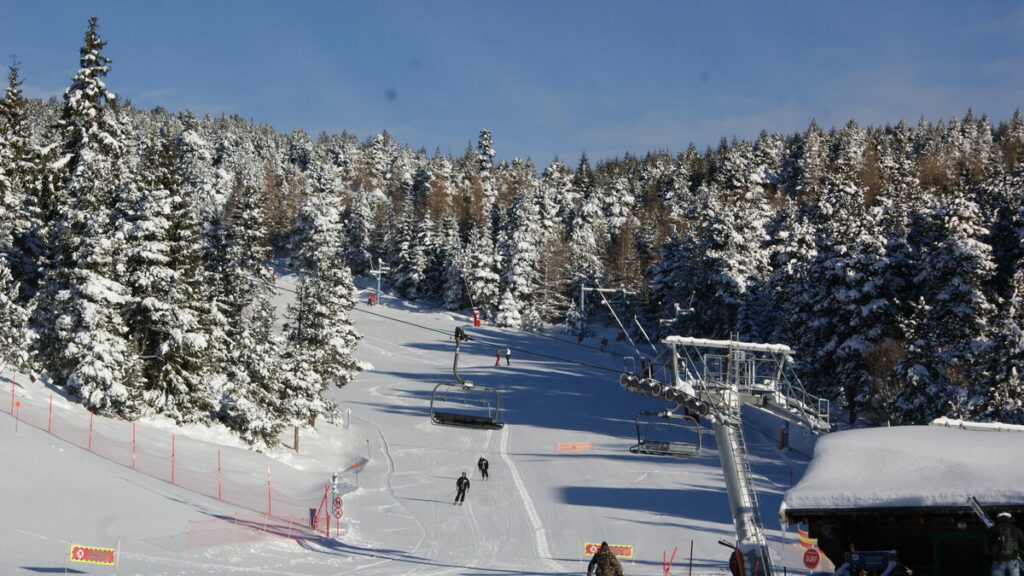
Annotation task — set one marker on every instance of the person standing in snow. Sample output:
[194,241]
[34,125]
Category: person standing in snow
[604,344]
[508,356]
[483,466]
[497,356]
[461,487]
[1005,541]
[604,563]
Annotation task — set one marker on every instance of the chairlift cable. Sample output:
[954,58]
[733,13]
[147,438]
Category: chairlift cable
[476,339]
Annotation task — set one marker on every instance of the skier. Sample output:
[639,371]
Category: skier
[605,563]
[508,356]
[497,356]
[604,344]
[461,487]
[1005,541]
[483,466]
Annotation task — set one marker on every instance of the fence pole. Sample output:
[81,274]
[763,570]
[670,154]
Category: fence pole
[219,482]
[90,431]
[172,458]
[269,501]
[691,558]
[49,418]
[133,445]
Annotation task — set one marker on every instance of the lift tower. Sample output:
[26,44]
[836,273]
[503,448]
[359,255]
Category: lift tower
[718,377]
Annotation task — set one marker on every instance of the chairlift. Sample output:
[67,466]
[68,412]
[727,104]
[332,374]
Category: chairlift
[666,433]
[464,404]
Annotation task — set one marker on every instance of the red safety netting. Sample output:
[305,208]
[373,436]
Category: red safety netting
[188,464]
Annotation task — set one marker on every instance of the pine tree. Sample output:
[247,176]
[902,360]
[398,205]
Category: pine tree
[481,271]
[951,326]
[413,243]
[79,310]
[445,269]
[253,401]
[14,340]
[320,337]
[169,320]
[520,281]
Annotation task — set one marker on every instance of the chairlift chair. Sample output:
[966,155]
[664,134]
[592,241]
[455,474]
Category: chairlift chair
[667,434]
[465,405]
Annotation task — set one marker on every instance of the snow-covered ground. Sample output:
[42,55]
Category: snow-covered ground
[533,516]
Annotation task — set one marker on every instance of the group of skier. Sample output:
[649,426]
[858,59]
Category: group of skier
[462,483]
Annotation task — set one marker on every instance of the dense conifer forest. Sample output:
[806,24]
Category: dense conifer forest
[139,249]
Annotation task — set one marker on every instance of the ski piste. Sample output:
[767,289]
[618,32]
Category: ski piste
[980,512]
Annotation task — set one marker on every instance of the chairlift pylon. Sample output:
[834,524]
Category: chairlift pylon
[666,433]
[465,404]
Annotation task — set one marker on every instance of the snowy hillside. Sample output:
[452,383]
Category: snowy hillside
[533,516]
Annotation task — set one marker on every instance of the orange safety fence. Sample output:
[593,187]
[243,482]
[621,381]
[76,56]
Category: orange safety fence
[189,464]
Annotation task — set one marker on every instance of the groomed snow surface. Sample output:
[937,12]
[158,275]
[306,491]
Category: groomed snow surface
[534,516]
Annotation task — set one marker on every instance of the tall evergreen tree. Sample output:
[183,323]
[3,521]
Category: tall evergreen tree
[169,318]
[951,327]
[79,311]
[321,337]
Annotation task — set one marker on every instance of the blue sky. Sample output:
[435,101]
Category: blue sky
[548,78]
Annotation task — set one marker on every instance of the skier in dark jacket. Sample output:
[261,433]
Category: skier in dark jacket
[604,563]
[461,487]
[483,466]
[1005,541]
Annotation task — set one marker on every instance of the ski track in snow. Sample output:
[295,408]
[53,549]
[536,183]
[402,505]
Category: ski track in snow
[540,538]
[386,451]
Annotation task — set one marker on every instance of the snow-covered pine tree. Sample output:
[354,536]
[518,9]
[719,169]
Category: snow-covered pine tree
[998,394]
[29,192]
[14,340]
[520,279]
[359,226]
[849,308]
[952,324]
[79,310]
[446,264]
[481,271]
[169,318]
[320,337]
[253,400]
[413,243]
[811,164]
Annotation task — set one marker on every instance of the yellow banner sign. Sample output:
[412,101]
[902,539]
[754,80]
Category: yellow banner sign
[92,555]
[620,550]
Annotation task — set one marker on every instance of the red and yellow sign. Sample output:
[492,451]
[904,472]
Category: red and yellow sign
[804,537]
[92,555]
[573,446]
[620,550]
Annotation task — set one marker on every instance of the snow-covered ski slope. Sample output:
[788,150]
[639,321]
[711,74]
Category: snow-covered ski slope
[533,516]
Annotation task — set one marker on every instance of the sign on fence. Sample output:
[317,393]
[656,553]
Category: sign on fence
[620,550]
[93,555]
[573,446]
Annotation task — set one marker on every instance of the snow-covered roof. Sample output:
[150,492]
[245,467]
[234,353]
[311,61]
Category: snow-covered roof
[706,343]
[911,466]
